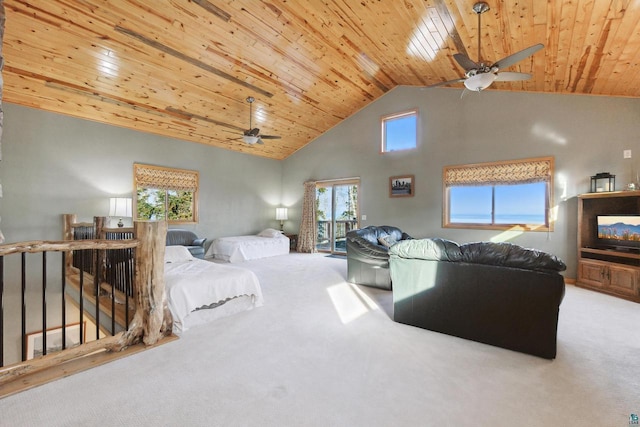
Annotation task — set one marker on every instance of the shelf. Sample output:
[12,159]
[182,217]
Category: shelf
[614,271]
[611,253]
[609,194]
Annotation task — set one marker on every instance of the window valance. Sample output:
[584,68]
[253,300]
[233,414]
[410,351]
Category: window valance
[165,178]
[500,173]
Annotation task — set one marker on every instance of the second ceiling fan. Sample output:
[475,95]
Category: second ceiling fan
[252,135]
[479,75]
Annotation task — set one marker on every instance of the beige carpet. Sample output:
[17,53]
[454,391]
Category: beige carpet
[324,353]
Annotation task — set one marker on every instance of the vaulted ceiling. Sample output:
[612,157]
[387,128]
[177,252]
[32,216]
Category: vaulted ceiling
[184,68]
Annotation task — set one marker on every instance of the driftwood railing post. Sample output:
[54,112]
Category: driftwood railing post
[68,221]
[152,319]
[101,256]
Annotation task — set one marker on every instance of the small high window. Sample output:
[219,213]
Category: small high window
[400,131]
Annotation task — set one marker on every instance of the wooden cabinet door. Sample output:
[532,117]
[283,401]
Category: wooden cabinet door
[592,273]
[623,280]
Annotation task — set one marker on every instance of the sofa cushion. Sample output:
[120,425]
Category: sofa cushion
[387,240]
[434,249]
[373,233]
[510,255]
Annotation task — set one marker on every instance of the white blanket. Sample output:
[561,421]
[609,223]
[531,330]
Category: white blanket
[243,248]
[192,284]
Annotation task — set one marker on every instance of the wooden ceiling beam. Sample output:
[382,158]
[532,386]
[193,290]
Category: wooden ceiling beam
[206,67]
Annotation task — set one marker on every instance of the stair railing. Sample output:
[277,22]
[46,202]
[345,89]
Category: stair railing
[151,320]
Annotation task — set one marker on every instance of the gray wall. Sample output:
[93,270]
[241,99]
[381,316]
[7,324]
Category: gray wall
[585,134]
[54,164]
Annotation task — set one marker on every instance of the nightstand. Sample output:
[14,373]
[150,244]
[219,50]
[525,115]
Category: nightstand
[293,241]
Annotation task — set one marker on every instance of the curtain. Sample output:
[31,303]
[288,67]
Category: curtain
[307,234]
[500,173]
[161,178]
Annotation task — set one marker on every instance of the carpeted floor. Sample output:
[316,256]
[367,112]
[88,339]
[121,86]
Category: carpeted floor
[322,352]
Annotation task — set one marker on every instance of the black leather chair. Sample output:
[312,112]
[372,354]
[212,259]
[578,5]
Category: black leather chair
[368,255]
[189,239]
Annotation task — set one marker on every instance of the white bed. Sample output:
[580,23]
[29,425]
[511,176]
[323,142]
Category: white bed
[267,243]
[200,291]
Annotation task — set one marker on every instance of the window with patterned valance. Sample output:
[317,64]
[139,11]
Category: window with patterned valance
[499,195]
[166,193]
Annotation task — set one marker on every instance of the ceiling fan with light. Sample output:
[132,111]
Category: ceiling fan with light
[252,135]
[479,75]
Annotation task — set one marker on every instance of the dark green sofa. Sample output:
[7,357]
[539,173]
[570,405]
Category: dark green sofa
[495,293]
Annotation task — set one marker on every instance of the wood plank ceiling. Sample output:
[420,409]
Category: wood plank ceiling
[184,68]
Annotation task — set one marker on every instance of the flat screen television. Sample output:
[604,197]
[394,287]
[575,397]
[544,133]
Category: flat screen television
[621,232]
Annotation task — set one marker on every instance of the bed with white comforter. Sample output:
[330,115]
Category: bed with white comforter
[267,243]
[200,291]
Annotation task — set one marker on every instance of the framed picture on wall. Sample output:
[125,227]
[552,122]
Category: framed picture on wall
[402,186]
[54,340]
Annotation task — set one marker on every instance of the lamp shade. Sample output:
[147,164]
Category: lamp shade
[479,82]
[120,207]
[281,214]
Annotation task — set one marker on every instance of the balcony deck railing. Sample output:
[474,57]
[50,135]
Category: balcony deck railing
[325,234]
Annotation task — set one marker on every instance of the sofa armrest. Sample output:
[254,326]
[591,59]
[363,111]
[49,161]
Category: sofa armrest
[199,242]
[358,247]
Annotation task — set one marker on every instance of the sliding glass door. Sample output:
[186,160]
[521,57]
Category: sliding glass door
[336,213]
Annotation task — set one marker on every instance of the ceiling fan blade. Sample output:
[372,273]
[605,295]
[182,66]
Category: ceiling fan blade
[444,83]
[270,137]
[465,62]
[518,56]
[507,76]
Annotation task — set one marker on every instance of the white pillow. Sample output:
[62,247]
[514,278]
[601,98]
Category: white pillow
[177,254]
[270,232]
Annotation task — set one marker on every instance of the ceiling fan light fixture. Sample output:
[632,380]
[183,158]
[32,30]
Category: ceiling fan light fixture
[480,81]
[248,139]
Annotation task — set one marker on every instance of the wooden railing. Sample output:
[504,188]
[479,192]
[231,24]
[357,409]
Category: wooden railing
[107,275]
[151,320]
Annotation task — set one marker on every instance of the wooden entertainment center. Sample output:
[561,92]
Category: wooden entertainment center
[615,271]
